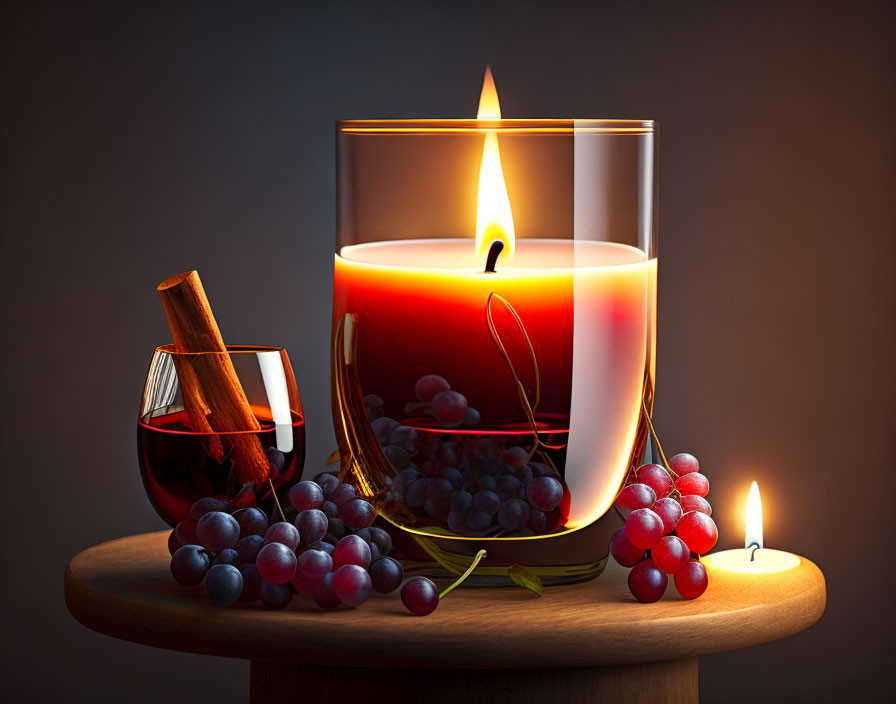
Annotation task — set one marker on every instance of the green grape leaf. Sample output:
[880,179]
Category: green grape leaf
[524,577]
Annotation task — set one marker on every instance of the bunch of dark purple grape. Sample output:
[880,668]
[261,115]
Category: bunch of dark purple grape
[667,528]
[330,551]
[478,485]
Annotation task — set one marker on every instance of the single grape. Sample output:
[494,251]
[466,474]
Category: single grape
[692,502]
[397,456]
[189,565]
[407,438]
[305,495]
[276,563]
[283,532]
[247,549]
[386,575]
[669,511]
[438,508]
[694,483]
[544,493]
[656,477]
[420,595]
[449,407]
[382,429]
[327,482]
[217,531]
[633,497]
[252,521]
[204,506]
[516,457]
[457,522]
[438,488]
[351,550]
[698,531]
[471,417]
[428,386]
[185,531]
[357,514]
[647,582]
[275,596]
[461,501]
[537,521]
[302,584]
[643,528]
[323,593]
[479,520]
[343,493]
[329,509]
[321,545]
[276,458]
[508,486]
[223,584]
[486,501]
[373,404]
[335,527]
[312,525]
[173,542]
[314,564]
[683,463]
[670,554]
[381,539]
[513,514]
[416,494]
[453,475]
[623,551]
[251,583]
[375,553]
[525,474]
[487,483]
[352,585]
[691,580]
[226,557]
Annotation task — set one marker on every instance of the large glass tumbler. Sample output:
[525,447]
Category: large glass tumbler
[494,333]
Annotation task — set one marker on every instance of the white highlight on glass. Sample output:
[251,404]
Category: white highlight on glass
[274,378]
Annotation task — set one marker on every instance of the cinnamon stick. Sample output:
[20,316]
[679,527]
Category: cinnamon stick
[213,396]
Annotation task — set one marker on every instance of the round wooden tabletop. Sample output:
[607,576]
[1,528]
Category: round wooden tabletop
[124,589]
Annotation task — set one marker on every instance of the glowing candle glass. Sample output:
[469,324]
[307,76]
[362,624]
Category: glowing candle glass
[553,351]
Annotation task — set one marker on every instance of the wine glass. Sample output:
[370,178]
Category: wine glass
[189,451]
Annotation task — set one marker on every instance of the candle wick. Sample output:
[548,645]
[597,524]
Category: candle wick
[495,248]
[755,547]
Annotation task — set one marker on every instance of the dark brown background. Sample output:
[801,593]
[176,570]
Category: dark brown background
[141,140]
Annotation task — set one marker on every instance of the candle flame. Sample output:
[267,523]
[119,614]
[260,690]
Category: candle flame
[753,529]
[489,107]
[494,220]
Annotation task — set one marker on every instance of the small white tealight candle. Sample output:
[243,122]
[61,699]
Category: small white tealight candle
[754,558]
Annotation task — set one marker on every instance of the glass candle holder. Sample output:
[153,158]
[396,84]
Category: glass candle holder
[494,323]
[180,465]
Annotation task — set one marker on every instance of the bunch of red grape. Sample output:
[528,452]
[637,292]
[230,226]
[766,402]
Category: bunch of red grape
[667,527]
[331,552]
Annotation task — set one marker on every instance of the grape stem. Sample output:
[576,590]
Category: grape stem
[459,580]
[675,494]
[276,500]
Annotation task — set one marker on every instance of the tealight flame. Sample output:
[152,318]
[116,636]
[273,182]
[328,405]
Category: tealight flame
[753,529]
[494,220]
